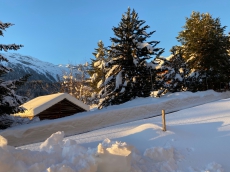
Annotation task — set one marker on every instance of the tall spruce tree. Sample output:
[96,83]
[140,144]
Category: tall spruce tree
[9,101]
[128,73]
[205,46]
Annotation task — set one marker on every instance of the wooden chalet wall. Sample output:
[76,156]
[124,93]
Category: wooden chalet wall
[59,110]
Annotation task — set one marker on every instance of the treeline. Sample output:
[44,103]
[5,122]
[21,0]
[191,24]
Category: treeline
[133,67]
[33,89]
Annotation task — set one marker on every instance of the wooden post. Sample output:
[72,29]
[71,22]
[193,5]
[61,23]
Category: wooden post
[163,121]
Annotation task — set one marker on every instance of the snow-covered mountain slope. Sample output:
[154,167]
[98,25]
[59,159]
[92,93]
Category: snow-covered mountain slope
[40,70]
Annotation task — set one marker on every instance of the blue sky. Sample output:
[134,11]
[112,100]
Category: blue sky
[67,31]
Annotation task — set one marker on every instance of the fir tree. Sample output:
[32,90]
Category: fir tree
[97,71]
[205,46]
[9,101]
[97,66]
[128,73]
[172,75]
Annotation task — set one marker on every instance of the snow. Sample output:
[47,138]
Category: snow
[28,62]
[139,108]
[147,45]
[119,80]
[9,100]
[111,71]
[99,84]
[97,63]
[162,157]
[178,76]
[55,155]
[3,141]
[39,104]
[35,64]
[152,65]
[123,87]
[93,77]
[135,61]
[144,33]
[196,140]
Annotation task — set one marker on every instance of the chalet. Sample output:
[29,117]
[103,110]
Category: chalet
[53,106]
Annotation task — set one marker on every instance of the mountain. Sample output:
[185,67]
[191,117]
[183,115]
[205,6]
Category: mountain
[45,77]
[39,70]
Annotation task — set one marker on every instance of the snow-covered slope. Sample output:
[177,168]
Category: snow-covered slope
[197,140]
[26,64]
[87,121]
[40,70]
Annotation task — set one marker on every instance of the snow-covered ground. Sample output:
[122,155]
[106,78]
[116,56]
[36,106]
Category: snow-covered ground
[197,140]
[88,121]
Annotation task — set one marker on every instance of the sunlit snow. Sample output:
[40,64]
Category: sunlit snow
[197,140]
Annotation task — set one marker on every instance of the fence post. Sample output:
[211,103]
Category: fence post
[163,121]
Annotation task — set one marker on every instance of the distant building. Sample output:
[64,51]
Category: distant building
[53,106]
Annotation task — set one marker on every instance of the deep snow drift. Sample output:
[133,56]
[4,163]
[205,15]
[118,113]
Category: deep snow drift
[197,140]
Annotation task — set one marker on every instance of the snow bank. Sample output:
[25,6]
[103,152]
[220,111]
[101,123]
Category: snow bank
[113,157]
[55,155]
[58,155]
[139,108]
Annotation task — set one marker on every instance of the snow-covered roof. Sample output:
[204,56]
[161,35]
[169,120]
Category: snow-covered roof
[39,104]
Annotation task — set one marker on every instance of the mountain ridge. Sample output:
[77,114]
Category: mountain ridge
[46,78]
[40,70]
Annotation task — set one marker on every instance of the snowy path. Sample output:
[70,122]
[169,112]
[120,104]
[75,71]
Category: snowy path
[134,110]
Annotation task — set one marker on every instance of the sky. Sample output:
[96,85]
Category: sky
[67,31]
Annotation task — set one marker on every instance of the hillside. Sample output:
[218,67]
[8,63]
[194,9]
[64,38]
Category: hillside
[45,77]
[39,70]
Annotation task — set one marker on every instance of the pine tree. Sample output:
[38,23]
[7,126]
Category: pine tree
[172,75]
[9,101]
[97,68]
[205,46]
[128,73]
